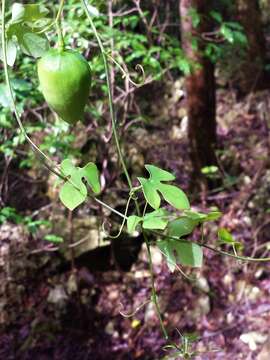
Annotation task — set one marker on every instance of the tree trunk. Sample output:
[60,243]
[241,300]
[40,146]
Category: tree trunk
[200,89]
[252,71]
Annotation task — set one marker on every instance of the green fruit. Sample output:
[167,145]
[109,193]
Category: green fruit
[65,79]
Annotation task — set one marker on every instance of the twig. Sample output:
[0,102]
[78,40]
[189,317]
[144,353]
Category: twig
[70,228]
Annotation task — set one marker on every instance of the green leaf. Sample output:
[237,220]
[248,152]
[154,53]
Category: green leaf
[33,44]
[227,33]
[91,174]
[201,217]
[213,215]
[153,185]
[27,13]
[11,52]
[185,253]
[185,66]
[190,254]
[71,197]
[21,85]
[209,170]
[76,181]
[225,237]
[159,174]
[182,227]
[195,17]
[67,167]
[33,225]
[174,196]
[157,219]
[240,38]
[5,100]
[53,238]
[93,10]
[167,250]
[74,184]
[216,16]
[234,25]
[132,223]
[150,193]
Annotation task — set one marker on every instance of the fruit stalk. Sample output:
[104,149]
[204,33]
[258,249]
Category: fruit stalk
[61,42]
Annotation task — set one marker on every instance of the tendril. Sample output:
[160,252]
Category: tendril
[135,311]
[126,75]
[56,20]
[122,225]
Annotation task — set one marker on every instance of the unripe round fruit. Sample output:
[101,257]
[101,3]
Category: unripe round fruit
[65,79]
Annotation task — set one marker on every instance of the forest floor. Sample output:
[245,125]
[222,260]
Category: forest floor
[82,314]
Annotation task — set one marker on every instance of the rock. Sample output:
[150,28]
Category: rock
[247,220]
[109,329]
[246,180]
[86,229]
[204,304]
[176,133]
[228,280]
[72,286]
[249,291]
[156,256]
[254,293]
[202,284]
[4,252]
[85,296]
[136,159]
[58,296]
[202,308]
[252,339]
[140,274]
[150,314]
[230,318]
[113,295]
[179,132]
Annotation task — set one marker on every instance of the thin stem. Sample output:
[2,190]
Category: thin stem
[60,10]
[221,252]
[121,158]
[154,293]
[135,311]
[123,222]
[125,74]
[61,43]
[238,257]
[105,61]
[151,269]
[70,229]
[54,22]
[110,208]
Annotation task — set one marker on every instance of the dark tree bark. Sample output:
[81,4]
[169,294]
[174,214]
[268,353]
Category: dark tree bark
[252,71]
[200,89]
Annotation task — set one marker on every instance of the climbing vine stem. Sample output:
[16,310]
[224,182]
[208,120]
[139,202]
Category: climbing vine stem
[112,113]
[122,161]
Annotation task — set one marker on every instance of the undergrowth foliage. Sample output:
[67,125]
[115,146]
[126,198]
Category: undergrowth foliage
[167,213]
